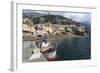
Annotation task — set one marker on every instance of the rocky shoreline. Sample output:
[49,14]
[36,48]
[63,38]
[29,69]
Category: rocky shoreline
[51,37]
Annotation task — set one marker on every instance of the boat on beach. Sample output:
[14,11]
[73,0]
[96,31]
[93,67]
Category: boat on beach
[48,49]
[50,54]
[44,47]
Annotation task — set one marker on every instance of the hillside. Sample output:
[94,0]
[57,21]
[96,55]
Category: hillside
[60,23]
[54,19]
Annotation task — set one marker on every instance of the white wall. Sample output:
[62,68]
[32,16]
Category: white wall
[5,35]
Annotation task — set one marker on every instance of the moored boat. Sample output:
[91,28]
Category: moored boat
[48,49]
[50,54]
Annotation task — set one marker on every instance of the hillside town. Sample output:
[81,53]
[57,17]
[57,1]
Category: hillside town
[49,29]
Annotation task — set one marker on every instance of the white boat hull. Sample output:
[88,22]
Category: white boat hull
[50,54]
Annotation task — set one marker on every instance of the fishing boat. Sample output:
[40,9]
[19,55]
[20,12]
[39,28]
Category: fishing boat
[50,54]
[48,48]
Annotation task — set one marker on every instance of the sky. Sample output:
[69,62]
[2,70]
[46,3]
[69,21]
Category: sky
[77,16]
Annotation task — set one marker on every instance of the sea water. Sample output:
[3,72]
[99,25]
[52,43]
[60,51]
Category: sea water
[74,48]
